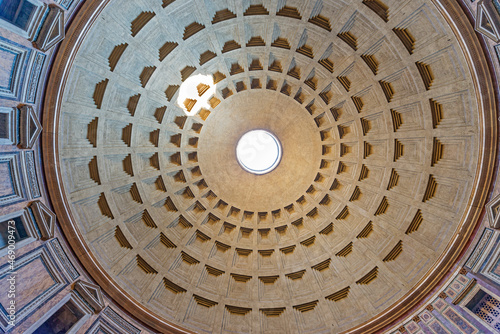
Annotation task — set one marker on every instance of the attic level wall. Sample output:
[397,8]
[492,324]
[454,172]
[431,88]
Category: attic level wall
[466,303]
[48,275]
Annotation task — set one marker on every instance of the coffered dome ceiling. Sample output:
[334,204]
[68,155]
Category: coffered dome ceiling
[384,131]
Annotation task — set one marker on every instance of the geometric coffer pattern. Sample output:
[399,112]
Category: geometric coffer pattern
[380,88]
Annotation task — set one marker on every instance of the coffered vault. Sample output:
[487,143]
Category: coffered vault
[385,111]
[375,106]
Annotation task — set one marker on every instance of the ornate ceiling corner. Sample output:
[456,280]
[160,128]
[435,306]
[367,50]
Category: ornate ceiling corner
[29,127]
[91,294]
[44,218]
[493,209]
[487,21]
[52,31]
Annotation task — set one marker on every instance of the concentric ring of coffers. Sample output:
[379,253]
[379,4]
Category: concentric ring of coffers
[381,93]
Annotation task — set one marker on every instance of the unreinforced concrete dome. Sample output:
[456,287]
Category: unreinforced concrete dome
[382,109]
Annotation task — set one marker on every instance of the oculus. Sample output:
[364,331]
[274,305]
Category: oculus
[258,152]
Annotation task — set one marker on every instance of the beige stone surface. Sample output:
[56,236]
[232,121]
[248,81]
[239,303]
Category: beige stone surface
[294,128]
[380,157]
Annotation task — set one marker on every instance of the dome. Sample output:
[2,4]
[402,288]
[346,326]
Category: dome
[376,110]
[269,166]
